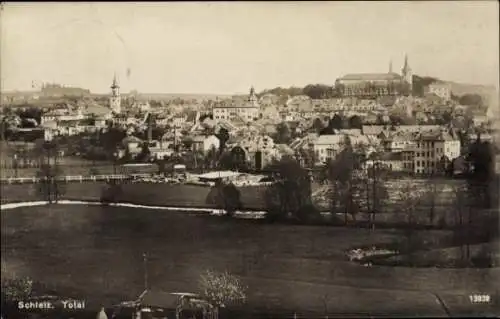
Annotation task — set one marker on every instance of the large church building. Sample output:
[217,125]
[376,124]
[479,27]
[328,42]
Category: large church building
[371,85]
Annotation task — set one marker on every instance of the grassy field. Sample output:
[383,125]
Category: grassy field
[96,252]
[252,198]
[140,193]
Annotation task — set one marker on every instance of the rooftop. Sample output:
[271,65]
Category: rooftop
[371,76]
[219,174]
[329,139]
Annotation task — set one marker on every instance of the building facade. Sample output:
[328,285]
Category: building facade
[441,89]
[372,85]
[247,111]
[430,149]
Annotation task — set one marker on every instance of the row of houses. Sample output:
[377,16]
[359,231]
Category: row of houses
[411,149]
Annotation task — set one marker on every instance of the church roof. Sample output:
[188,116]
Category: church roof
[371,76]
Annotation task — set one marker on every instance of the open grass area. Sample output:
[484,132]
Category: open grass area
[137,193]
[252,198]
[96,252]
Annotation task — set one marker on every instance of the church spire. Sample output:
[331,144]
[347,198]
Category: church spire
[390,66]
[252,96]
[406,66]
[115,82]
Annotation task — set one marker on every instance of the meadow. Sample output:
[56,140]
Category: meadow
[96,253]
[253,198]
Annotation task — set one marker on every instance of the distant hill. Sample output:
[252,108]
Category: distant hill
[458,89]
[183,96]
[464,88]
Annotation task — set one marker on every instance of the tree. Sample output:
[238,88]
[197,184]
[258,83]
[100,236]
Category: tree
[343,174]
[222,289]
[187,143]
[306,157]
[318,125]
[162,165]
[283,134]
[355,122]
[336,122]
[211,158]
[380,119]
[446,117]
[481,156]
[431,194]
[49,187]
[223,136]
[376,190]
[231,199]
[111,139]
[279,91]
[460,205]
[420,83]
[111,193]
[16,289]
[145,153]
[471,100]
[287,197]
[409,196]
[319,91]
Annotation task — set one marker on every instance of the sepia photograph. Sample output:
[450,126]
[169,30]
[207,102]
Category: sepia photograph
[249,160]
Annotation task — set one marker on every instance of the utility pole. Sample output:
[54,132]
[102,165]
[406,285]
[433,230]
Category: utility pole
[115,159]
[145,261]
[15,165]
[46,174]
[55,173]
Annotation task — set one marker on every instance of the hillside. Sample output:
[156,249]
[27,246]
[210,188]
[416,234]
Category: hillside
[183,96]
[465,88]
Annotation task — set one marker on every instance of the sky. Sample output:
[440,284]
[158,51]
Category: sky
[225,48]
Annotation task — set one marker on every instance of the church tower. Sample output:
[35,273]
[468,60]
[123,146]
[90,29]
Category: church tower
[115,98]
[390,66]
[407,74]
[252,98]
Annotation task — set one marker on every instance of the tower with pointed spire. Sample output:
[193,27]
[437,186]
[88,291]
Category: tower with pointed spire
[407,74]
[252,98]
[115,100]
[390,66]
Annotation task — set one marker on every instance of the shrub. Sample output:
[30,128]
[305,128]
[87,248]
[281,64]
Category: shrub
[15,289]
[222,289]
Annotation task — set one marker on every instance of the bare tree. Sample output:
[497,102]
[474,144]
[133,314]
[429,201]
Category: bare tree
[344,179]
[460,203]
[50,187]
[432,196]
[409,196]
[375,190]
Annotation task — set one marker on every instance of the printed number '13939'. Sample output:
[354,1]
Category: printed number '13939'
[479,298]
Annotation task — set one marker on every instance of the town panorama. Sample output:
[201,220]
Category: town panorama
[374,194]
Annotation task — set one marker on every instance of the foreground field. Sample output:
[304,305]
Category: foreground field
[253,198]
[96,252]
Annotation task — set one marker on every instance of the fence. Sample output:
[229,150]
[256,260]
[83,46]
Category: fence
[69,178]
